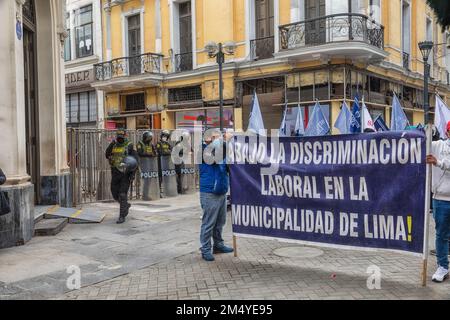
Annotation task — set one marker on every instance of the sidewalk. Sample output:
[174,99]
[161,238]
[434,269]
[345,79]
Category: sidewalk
[259,273]
[154,232]
[155,256]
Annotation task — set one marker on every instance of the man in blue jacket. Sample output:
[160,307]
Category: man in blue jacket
[214,184]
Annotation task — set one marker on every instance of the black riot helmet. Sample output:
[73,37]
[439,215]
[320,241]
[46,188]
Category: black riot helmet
[130,165]
[120,135]
[147,136]
[165,134]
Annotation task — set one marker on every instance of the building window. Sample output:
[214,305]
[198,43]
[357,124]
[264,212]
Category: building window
[81,107]
[183,60]
[135,102]
[185,94]
[84,32]
[67,46]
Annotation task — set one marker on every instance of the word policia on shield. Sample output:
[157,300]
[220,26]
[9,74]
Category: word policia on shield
[350,190]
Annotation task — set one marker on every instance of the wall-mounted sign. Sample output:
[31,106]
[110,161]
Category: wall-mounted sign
[80,78]
[19,32]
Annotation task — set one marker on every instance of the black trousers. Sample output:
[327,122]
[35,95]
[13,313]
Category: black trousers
[120,185]
[178,170]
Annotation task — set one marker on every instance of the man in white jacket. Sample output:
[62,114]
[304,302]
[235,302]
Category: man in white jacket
[440,159]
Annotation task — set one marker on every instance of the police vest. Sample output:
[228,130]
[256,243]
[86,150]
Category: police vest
[119,153]
[164,149]
[147,149]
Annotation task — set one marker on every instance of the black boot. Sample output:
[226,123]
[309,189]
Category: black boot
[121,220]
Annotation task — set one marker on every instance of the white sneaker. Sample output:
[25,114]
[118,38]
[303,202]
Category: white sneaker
[440,275]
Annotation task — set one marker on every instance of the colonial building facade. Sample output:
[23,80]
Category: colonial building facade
[82,49]
[32,116]
[156,72]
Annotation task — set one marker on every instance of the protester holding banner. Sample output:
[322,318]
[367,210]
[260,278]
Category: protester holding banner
[440,158]
[214,185]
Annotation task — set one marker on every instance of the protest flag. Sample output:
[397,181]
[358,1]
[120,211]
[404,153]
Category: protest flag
[299,124]
[399,121]
[256,123]
[366,119]
[442,117]
[355,126]
[380,125]
[344,119]
[318,124]
[283,129]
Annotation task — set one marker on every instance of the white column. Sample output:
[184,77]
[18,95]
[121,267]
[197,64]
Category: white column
[108,33]
[12,102]
[277,24]
[158,32]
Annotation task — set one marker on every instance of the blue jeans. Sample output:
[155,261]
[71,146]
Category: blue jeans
[441,214]
[214,218]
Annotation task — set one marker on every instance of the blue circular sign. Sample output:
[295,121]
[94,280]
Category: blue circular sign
[19,30]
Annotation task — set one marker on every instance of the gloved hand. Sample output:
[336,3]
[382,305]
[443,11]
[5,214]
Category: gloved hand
[122,167]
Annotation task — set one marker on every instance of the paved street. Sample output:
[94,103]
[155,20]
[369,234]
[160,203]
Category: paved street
[155,256]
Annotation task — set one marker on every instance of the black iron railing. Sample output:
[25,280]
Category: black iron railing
[405,57]
[262,48]
[183,62]
[332,28]
[128,66]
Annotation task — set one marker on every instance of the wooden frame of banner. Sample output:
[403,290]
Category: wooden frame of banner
[429,134]
[235,246]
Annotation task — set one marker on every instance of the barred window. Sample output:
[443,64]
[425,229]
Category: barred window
[81,107]
[185,94]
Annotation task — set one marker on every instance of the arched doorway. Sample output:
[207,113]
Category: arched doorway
[31,92]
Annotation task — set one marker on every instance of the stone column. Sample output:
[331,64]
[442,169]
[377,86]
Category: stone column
[18,226]
[55,176]
[108,31]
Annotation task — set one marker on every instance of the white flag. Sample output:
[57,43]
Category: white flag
[441,117]
[367,119]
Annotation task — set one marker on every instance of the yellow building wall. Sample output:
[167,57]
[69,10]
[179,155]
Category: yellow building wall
[285,12]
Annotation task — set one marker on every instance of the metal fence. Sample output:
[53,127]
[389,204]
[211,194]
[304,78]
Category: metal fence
[90,170]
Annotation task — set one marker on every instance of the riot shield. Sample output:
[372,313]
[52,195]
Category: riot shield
[188,179]
[150,179]
[168,177]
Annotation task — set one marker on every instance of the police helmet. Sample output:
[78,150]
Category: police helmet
[165,133]
[147,136]
[120,134]
[130,165]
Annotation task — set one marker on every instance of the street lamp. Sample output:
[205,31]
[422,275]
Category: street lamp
[219,51]
[425,48]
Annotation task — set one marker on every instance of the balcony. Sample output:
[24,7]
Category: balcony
[344,35]
[128,72]
[262,48]
[183,62]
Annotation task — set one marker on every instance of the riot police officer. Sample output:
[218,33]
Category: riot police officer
[184,138]
[145,148]
[164,149]
[123,160]
[149,168]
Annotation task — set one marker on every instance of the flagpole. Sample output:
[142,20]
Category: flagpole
[362,115]
[427,208]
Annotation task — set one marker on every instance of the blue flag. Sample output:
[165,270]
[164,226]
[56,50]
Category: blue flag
[399,121]
[299,124]
[355,125]
[380,125]
[344,119]
[256,121]
[318,124]
[283,129]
